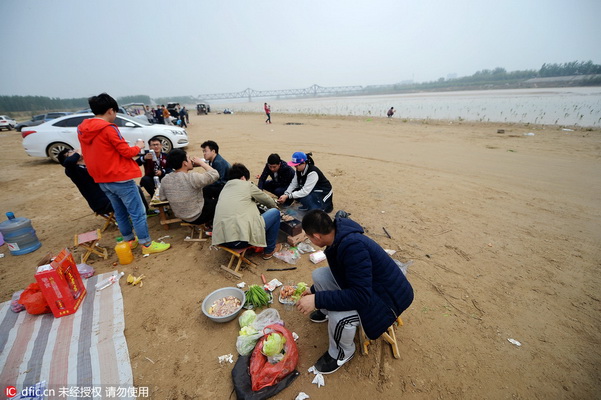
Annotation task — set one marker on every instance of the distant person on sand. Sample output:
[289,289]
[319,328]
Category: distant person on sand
[268,113]
[390,112]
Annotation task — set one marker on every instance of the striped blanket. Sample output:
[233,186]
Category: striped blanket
[84,351]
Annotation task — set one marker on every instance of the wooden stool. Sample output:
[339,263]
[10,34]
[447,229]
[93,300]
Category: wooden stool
[163,214]
[110,220]
[89,241]
[195,230]
[236,254]
[389,336]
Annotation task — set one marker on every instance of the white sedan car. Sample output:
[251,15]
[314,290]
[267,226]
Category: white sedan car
[7,123]
[49,138]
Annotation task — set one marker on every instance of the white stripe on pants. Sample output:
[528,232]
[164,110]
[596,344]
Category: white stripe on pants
[342,325]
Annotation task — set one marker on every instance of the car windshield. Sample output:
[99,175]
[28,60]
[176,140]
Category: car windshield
[120,121]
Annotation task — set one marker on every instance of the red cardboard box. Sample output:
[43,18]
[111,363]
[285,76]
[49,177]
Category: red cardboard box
[61,284]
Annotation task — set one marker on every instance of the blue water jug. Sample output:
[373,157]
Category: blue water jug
[19,235]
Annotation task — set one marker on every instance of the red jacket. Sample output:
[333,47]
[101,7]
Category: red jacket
[107,155]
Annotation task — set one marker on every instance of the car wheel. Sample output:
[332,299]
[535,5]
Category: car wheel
[56,148]
[167,146]
[10,127]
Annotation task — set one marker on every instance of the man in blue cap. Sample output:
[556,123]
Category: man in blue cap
[309,186]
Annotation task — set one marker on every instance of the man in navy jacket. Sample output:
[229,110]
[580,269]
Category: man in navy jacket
[362,285]
[281,175]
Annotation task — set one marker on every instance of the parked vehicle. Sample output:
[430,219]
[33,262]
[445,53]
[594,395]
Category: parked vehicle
[173,109]
[203,108]
[40,119]
[7,123]
[49,138]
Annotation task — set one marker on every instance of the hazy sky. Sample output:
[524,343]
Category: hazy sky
[75,48]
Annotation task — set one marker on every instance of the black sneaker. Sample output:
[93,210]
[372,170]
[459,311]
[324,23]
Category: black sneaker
[327,365]
[318,316]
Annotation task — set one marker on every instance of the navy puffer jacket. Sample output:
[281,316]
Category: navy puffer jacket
[370,280]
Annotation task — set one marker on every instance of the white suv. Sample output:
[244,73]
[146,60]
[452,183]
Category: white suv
[7,123]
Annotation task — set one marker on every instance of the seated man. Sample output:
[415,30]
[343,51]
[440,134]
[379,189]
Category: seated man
[75,168]
[362,285]
[184,189]
[155,164]
[309,185]
[238,222]
[210,151]
[281,175]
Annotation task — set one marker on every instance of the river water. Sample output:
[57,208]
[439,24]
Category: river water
[576,106]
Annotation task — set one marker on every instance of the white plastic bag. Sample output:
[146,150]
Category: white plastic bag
[246,343]
[288,255]
[403,266]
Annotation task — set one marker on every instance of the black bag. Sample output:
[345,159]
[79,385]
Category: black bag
[242,383]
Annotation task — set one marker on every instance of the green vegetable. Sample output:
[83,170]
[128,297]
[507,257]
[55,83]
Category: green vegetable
[247,318]
[248,331]
[300,289]
[273,344]
[257,296]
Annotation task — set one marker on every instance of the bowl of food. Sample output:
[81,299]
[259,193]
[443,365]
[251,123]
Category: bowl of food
[223,304]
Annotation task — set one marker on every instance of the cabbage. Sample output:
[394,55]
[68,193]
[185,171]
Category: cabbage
[248,331]
[273,344]
[247,318]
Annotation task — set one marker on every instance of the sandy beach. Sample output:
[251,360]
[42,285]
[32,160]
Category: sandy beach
[504,231]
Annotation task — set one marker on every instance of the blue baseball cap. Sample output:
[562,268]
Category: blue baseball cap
[298,158]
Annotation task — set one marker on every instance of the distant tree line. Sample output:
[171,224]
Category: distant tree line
[41,104]
[486,78]
[570,68]
[499,77]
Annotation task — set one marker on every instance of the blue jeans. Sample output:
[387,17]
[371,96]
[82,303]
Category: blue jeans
[314,201]
[272,227]
[127,203]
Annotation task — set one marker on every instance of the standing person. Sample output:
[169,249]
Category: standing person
[166,115]
[362,285]
[281,175]
[184,188]
[238,222]
[268,113]
[76,170]
[187,115]
[159,116]
[182,117]
[149,114]
[309,186]
[155,164]
[110,162]
[390,112]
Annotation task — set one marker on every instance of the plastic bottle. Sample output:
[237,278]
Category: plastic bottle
[123,252]
[19,235]
[109,281]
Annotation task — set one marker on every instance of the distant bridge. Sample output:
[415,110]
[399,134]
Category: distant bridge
[310,91]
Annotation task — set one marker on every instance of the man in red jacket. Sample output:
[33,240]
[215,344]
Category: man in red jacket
[110,162]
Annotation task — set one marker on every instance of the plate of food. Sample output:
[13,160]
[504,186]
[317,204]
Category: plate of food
[290,294]
[286,293]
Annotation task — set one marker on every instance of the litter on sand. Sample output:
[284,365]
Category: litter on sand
[226,358]
[301,396]
[513,341]
[318,380]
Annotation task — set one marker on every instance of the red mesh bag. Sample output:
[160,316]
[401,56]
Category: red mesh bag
[263,373]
